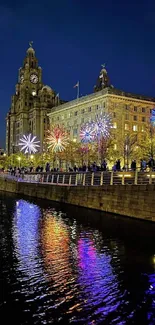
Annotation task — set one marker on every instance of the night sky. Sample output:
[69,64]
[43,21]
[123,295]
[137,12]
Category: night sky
[72,39]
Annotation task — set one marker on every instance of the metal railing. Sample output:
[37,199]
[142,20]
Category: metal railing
[89,178]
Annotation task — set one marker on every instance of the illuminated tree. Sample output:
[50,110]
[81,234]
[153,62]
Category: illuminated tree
[28,144]
[57,139]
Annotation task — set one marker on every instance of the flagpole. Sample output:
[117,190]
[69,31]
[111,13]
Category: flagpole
[78,90]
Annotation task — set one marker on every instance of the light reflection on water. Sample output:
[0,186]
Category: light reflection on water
[57,270]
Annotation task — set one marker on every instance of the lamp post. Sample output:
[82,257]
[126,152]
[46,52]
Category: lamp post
[19,160]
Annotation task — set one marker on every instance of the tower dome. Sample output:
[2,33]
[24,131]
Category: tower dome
[31,49]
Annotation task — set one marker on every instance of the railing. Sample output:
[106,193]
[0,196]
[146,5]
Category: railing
[89,178]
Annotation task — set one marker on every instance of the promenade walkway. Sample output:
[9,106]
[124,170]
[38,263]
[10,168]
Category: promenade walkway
[87,178]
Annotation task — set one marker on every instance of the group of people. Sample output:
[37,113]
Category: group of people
[94,167]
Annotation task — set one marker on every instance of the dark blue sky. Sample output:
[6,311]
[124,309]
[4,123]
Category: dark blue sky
[72,39]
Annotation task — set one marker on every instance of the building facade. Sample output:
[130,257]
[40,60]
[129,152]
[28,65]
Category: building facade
[30,104]
[130,113]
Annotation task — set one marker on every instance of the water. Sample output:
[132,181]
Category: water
[58,268]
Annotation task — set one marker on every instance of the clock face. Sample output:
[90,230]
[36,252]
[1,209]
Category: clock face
[21,78]
[34,78]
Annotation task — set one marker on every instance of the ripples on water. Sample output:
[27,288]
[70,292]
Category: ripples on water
[57,269]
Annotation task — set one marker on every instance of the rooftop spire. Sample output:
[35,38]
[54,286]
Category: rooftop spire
[103,79]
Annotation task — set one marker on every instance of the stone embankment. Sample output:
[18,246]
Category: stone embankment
[136,201]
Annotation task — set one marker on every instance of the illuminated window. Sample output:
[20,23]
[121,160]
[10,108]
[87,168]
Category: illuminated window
[135,118]
[135,128]
[142,128]
[115,146]
[126,126]
[115,125]
[143,119]
[143,110]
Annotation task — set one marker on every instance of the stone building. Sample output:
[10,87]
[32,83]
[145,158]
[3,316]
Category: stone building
[130,113]
[30,104]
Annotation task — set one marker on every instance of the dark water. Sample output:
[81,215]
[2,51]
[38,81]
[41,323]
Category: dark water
[57,268]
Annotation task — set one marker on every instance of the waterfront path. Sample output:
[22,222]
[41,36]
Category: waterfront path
[88,178]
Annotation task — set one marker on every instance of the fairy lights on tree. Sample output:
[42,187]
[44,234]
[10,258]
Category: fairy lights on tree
[102,125]
[87,133]
[97,129]
[57,139]
[29,144]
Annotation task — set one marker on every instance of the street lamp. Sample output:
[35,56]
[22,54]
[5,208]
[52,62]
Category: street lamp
[19,159]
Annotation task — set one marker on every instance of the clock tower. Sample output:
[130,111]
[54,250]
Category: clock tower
[30,104]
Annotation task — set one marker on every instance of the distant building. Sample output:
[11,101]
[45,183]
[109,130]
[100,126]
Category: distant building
[30,104]
[130,113]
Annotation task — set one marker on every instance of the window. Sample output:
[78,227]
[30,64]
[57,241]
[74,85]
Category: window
[114,114]
[143,110]
[44,120]
[127,107]
[97,107]
[62,117]
[57,118]
[135,118]
[135,109]
[69,114]
[115,125]
[115,146]
[126,127]
[75,113]
[135,128]
[89,109]
[150,111]
[25,103]
[143,119]
[82,111]
[74,132]
[127,116]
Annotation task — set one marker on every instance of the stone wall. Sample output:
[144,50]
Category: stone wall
[135,201]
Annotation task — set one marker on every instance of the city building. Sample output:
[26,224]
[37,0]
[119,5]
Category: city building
[30,104]
[130,113]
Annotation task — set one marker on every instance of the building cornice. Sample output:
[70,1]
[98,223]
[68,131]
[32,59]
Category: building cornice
[107,92]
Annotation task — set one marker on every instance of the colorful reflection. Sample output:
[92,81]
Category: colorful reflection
[97,279]
[25,235]
[151,299]
[55,249]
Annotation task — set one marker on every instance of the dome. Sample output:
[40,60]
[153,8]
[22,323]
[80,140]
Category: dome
[31,50]
[47,88]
